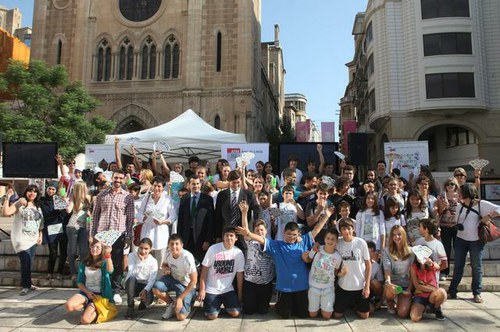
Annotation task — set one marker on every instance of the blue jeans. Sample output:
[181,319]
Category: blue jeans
[78,242]
[26,257]
[475,248]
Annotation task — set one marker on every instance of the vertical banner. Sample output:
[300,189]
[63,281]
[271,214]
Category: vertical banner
[327,131]
[407,156]
[302,131]
[348,126]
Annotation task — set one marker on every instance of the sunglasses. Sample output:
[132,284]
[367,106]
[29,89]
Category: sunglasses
[458,175]
[71,162]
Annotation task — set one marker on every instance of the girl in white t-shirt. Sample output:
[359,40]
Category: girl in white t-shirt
[369,222]
[392,217]
[416,210]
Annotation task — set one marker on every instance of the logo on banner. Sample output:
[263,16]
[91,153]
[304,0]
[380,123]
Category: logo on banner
[233,153]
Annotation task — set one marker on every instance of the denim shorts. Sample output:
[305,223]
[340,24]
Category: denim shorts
[421,300]
[87,300]
[321,299]
[167,283]
[212,303]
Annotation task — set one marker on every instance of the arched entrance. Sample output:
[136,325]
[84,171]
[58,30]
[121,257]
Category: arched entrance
[129,125]
[132,118]
[450,146]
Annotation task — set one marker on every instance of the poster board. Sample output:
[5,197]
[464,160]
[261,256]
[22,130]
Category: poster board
[231,151]
[94,153]
[407,155]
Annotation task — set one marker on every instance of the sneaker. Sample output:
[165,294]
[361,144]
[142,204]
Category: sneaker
[33,287]
[478,298]
[142,306]
[117,298]
[452,296]
[24,291]
[130,314]
[443,277]
[169,311]
[439,314]
[391,308]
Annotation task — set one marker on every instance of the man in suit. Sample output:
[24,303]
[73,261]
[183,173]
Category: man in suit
[227,211]
[195,222]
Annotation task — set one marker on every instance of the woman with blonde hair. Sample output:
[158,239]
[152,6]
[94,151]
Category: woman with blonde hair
[76,230]
[397,259]
[146,179]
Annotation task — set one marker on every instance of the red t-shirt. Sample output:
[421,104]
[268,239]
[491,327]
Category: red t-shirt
[425,277]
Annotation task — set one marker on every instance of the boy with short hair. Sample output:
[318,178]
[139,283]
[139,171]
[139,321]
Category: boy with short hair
[354,287]
[180,276]
[222,263]
[344,211]
[376,278]
[290,211]
[291,271]
[427,228]
[326,262]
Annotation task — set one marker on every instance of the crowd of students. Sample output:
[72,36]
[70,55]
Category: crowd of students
[324,242]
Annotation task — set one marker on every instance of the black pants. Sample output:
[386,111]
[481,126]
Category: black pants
[448,237]
[133,288]
[256,297]
[60,243]
[117,257]
[294,303]
[26,257]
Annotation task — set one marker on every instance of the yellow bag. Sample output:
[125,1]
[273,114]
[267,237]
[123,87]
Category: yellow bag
[106,310]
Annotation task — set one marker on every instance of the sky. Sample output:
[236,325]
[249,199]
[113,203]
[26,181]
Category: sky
[317,42]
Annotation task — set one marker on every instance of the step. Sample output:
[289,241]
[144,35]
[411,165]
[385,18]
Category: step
[491,268]
[490,284]
[12,278]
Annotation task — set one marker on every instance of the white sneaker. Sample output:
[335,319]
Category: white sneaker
[117,299]
[169,311]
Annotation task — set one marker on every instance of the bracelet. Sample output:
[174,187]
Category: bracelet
[107,256]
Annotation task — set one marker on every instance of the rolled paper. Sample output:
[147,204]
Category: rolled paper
[62,192]
[273,182]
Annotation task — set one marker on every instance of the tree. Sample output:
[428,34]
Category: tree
[276,135]
[45,107]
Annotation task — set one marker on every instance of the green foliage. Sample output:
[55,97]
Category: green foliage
[46,107]
[276,135]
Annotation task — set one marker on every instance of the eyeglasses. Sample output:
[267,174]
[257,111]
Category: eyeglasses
[451,184]
[458,175]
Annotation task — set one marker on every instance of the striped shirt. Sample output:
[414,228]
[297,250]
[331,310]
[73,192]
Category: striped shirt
[113,211]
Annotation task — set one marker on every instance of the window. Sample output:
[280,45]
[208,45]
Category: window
[103,61]
[372,104]
[450,85]
[148,65]
[457,136]
[217,122]
[126,63]
[171,58]
[369,34]
[219,52]
[447,43]
[59,52]
[444,8]
[370,66]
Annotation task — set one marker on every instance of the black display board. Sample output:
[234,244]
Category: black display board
[307,152]
[29,160]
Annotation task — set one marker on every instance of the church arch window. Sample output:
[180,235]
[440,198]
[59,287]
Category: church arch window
[59,52]
[171,58]
[126,60]
[219,52]
[148,64]
[103,61]
[217,122]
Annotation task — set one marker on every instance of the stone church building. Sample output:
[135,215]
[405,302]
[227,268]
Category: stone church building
[150,60]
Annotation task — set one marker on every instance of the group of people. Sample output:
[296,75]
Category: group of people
[324,242]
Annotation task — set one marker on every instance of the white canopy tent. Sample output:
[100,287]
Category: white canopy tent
[182,137]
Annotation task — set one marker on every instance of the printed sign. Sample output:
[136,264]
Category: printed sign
[406,156]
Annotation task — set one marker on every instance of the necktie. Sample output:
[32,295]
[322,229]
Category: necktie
[234,208]
[193,206]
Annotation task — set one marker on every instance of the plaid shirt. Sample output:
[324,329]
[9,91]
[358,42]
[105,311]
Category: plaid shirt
[113,211]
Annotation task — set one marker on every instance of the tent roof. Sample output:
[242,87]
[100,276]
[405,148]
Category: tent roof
[186,135]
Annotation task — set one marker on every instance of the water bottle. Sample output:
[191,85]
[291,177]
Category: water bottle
[398,289]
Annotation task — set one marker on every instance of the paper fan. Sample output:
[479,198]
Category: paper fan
[340,155]
[240,161]
[248,156]
[108,237]
[176,177]
[416,169]
[157,214]
[133,140]
[163,146]
[328,180]
[421,252]
[393,155]
[275,212]
[59,203]
[478,163]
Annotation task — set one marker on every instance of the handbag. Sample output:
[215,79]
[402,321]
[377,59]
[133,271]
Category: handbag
[138,228]
[488,233]
[106,310]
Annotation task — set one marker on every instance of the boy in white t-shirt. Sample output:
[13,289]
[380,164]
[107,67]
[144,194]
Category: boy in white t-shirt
[223,261]
[427,229]
[180,276]
[354,287]
[291,211]
[326,263]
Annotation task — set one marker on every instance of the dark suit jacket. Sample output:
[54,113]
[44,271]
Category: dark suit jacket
[223,209]
[203,228]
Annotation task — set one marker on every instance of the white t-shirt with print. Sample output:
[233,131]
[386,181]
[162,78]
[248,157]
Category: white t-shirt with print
[354,254]
[182,266]
[289,213]
[471,220]
[223,264]
[322,274]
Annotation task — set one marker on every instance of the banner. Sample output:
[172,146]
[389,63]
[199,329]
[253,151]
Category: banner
[348,126]
[407,156]
[94,153]
[231,151]
[302,131]
[327,131]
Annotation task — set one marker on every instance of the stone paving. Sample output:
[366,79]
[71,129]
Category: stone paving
[43,310]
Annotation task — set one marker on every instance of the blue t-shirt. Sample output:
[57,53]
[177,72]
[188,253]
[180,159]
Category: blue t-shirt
[291,271]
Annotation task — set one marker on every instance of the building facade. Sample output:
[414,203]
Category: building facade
[428,70]
[149,61]
[10,19]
